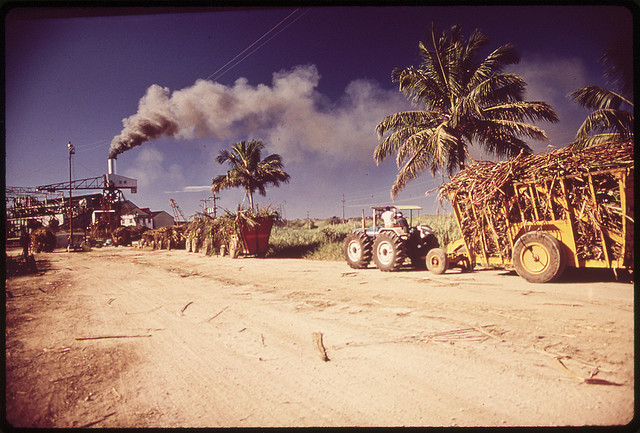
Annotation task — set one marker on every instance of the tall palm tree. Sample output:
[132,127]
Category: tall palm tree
[248,170]
[460,99]
[611,118]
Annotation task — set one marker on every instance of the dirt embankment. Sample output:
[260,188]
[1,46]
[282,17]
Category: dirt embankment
[120,337]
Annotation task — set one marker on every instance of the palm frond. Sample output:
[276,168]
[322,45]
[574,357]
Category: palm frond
[498,89]
[415,143]
[595,98]
[618,121]
[419,87]
[514,128]
[391,144]
[404,119]
[493,64]
[431,152]
[593,140]
[522,110]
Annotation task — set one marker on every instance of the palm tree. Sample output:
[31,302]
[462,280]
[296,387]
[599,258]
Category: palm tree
[248,170]
[460,99]
[611,118]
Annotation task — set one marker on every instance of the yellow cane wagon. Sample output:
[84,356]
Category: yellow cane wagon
[541,213]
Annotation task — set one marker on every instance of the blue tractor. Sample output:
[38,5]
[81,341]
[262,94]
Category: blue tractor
[390,244]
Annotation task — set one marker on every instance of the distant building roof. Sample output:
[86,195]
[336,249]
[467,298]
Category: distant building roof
[158,212]
[128,207]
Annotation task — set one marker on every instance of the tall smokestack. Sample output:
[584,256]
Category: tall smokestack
[112,165]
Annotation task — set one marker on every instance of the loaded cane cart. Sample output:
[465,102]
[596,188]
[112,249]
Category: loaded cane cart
[541,213]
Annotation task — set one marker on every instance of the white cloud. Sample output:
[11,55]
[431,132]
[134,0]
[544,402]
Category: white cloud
[551,80]
[150,168]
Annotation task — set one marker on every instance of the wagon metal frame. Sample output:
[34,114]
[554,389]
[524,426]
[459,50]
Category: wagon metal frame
[545,206]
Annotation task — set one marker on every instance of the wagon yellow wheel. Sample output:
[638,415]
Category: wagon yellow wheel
[537,257]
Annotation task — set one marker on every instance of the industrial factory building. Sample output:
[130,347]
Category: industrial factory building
[86,210]
[34,206]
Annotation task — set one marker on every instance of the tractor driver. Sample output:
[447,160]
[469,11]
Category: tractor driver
[402,222]
[388,217]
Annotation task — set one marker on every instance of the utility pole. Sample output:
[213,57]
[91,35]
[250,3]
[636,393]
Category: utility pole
[308,221]
[215,198]
[71,152]
[342,207]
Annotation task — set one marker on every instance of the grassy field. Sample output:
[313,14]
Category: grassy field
[324,241]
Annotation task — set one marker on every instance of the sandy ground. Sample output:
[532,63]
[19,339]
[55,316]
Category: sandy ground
[123,337]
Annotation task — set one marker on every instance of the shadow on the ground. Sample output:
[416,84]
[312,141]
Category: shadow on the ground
[586,275]
[19,265]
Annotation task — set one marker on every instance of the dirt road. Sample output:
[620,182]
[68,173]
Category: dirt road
[121,337]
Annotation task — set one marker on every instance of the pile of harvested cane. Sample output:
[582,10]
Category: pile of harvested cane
[490,196]
[170,237]
[124,235]
[42,239]
[208,235]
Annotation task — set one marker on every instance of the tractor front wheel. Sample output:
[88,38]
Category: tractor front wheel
[388,251]
[357,250]
[537,257]
[437,261]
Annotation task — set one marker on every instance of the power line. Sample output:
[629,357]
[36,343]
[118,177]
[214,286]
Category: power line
[254,43]
[260,46]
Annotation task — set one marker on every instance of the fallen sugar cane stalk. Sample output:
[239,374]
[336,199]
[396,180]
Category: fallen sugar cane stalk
[467,334]
[143,312]
[479,328]
[89,424]
[185,307]
[589,380]
[103,337]
[217,314]
[317,340]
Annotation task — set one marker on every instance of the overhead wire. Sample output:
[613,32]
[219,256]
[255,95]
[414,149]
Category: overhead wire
[254,43]
[260,46]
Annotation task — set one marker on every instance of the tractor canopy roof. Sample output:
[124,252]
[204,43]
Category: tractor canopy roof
[398,207]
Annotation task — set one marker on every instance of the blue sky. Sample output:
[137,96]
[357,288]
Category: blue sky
[312,82]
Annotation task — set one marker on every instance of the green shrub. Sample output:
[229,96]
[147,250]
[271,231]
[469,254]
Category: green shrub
[445,227]
[295,240]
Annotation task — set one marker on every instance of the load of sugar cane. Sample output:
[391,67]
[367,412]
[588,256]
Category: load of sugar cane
[208,234]
[42,239]
[224,233]
[170,237]
[592,186]
[124,235]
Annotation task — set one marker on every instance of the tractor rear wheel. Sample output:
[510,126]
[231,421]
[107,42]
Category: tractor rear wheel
[537,257]
[357,250]
[388,251]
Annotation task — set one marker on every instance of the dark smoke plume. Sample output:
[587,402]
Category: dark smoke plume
[290,114]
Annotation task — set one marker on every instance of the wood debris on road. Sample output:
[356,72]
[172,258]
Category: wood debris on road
[102,337]
[317,340]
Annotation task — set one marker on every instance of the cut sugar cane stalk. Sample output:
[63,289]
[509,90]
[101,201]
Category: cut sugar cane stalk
[317,339]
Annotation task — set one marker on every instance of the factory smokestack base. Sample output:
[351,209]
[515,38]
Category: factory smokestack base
[111,165]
